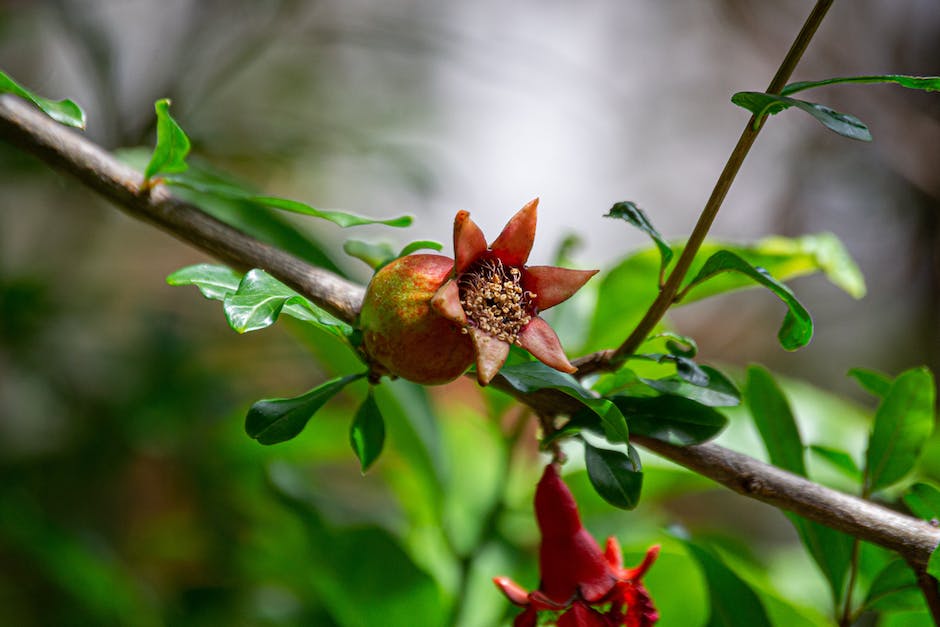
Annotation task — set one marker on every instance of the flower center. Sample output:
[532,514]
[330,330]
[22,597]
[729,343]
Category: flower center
[493,299]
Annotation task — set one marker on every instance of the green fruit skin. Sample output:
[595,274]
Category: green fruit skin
[402,333]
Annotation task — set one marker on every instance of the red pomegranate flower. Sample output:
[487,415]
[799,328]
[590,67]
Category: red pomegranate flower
[582,585]
[496,298]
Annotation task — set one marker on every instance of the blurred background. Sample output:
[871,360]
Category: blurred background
[129,493]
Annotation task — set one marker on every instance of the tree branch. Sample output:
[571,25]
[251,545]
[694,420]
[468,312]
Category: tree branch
[69,152]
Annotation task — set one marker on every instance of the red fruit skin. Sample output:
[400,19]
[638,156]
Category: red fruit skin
[402,333]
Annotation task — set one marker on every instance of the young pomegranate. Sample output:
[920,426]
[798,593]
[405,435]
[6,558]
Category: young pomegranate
[426,318]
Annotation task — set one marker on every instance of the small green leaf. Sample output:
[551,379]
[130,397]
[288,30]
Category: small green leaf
[367,432]
[872,381]
[903,423]
[261,298]
[733,601]
[797,328]
[62,111]
[933,564]
[924,500]
[169,155]
[279,419]
[774,420]
[214,281]
[340,218]
[374,254]
[761,104]
[629,211]
[232,192]
[672,419]
[923,83]
[838,459]
[421,244]
[617,478]
[830,549]
[718,391]
[678,345]
[894,588]
[532,376]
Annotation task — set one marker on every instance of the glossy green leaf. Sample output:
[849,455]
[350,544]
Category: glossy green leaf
[924,500]
[532,376]
[672,419]
[629,211]
[627,290]
[62,111]
[367,432]
[761,105]
[733,601]
[279,419]
[872,381]
[718,390]
[923,83]
[903,423]
[340,218]
[260,299]
[838,459]
[617,477]
[678,345]
[774,420]
[169,155]
[894,588]
[797,328]
[214,281]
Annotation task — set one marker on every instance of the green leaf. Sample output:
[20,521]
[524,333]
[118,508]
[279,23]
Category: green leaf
[214,281]
[379,254]
[718,391]
[761,104]
[626,291]
[261,298]
[62,111]
[774,420]
[374,254]
[924,500]
[617,478]
[903,423]
[831,550]
[232,192]
[894,588]
[169,155]
[672,419]
[421,244]
[838,459]
[629,211]
[923,83]
[367,432]
[279,419]
[533,376]
[340,218]
[872,381]
[933,564]
[733,601]
[676,344]
[797,328]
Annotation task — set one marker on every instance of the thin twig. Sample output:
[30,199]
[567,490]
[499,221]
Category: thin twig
[609,360]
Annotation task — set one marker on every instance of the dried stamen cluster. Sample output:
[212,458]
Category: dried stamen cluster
[492,297]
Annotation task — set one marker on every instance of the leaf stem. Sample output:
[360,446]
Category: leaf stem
[847,618]
[667,294]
